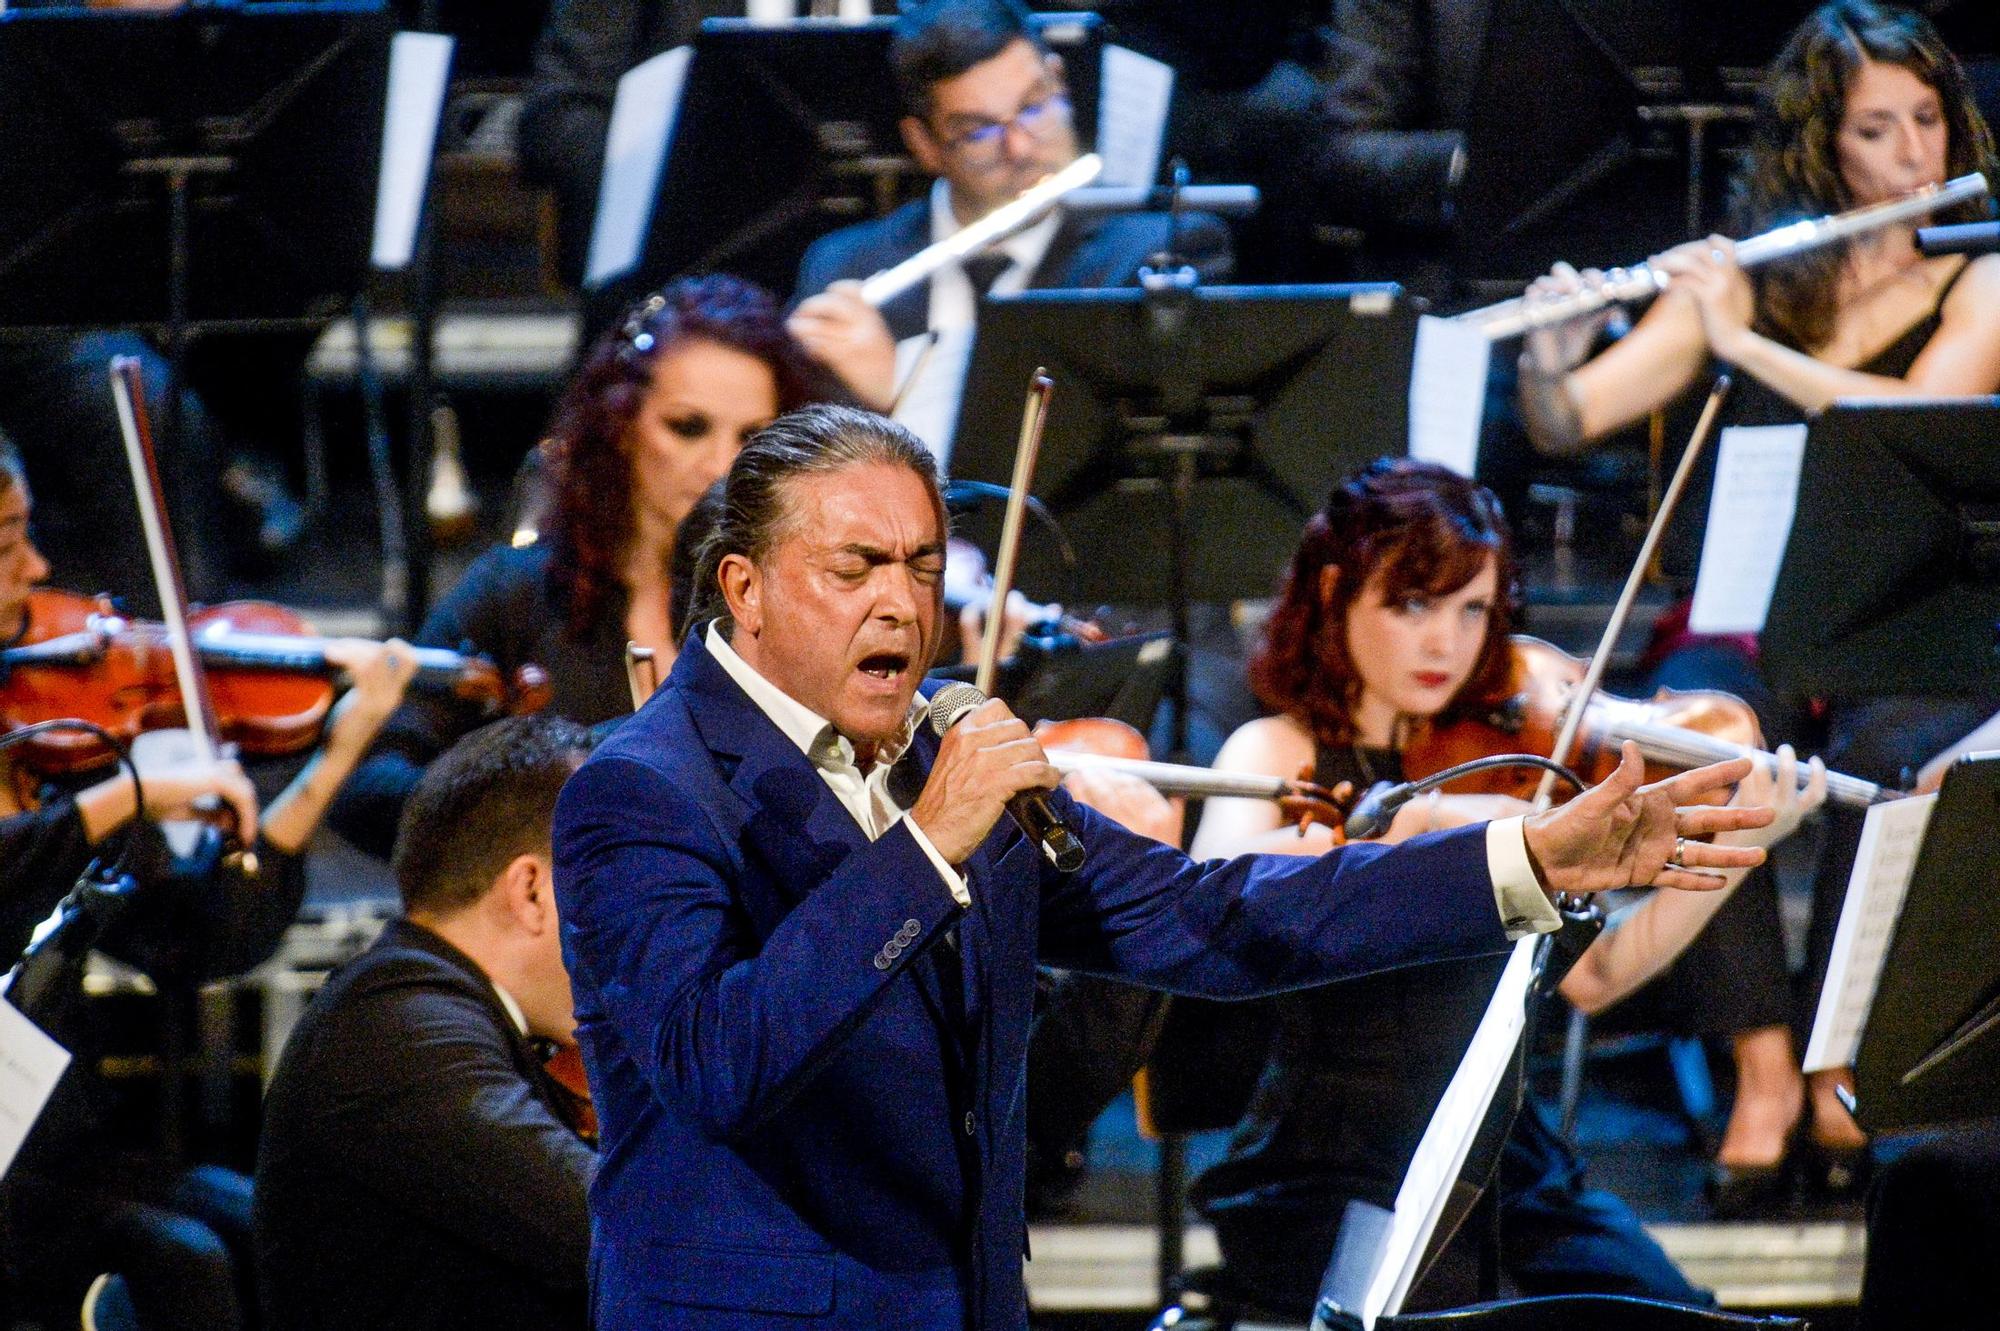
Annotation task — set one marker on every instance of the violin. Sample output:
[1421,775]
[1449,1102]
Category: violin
[268,677]
[1675,730]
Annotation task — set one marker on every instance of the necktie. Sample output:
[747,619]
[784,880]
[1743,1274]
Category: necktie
[983,270]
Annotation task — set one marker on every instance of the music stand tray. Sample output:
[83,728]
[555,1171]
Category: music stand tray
[1891,579]
[1237,419]
[1930,1053]
[786,132]
[249,133]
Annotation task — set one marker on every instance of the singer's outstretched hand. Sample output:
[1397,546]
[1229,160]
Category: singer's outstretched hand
[984,760]
[1621,833]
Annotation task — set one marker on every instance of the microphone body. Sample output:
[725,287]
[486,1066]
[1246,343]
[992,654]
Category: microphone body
[1966,238]
[1031,810]
[1373,812]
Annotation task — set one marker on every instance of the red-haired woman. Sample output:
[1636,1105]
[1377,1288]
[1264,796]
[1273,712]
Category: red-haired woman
[1395,613]
[655,416]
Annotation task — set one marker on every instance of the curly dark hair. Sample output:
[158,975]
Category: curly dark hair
[1428,531]
[1793,168]
[591,521]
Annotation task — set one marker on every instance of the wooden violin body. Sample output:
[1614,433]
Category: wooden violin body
[268,675]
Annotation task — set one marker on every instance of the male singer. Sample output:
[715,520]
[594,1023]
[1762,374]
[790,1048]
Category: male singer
[802,937]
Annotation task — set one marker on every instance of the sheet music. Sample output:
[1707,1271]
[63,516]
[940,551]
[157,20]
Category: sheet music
[1891,840]
[1749,523]
[635,152]
[1448,1140]
[418,65]
[930,403]
[1448,393]
[1132,103]
[30,1066]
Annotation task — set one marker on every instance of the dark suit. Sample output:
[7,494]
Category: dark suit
[811,1100]
[413,1172]
[1105,250]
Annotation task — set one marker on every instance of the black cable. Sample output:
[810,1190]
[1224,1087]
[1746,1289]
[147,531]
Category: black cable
[118,751]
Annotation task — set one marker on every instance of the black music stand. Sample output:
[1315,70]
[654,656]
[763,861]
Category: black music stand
[207,168]
[1193,430]
[1930,1053]
[1554,151]
[1891,579]
[818,102]
[1057,678]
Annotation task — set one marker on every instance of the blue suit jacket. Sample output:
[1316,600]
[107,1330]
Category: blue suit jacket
[1087,252]
[810,1095]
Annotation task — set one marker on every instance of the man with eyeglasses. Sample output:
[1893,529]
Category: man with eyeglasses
[988,115]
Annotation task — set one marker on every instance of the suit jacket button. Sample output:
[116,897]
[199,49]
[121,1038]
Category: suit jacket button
[969,1123]
[881,961]
[892,949]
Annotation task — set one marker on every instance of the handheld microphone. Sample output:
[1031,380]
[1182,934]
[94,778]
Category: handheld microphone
[1030,809]
[1965,238]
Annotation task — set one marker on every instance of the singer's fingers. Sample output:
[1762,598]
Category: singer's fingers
[1703,855]
[1688,787]
[1690,880]
[1706,819]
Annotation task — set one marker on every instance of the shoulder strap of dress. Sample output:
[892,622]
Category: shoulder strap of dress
[1944,292]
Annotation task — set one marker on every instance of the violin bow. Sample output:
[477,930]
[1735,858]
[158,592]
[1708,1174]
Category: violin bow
[128,390]
[1034,415]
[1622,611]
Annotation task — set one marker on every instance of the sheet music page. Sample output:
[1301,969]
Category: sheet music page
[1446,1142]
[1891,838]
[1448,393]
[635,152]
[930,402]
[418,65]
[1132,102]
[30,1066]
[1749,523]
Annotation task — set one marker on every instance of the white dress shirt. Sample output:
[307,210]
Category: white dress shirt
[864,795]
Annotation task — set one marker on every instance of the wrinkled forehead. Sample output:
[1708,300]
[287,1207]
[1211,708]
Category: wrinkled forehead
[881,506]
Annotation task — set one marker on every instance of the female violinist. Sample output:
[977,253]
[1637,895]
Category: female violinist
[1394,615]
[659,409]
[76,1207]
[1863,104]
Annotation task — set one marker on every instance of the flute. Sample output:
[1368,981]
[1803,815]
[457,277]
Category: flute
[996,225]
[1509,318]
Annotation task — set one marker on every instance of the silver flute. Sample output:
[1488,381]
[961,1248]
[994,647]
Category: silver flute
[1510,318]
[1002,222]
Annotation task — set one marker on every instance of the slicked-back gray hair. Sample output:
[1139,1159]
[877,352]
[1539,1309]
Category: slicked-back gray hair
[758,499]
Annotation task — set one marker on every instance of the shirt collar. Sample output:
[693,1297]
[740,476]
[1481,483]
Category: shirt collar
[1026,248]
[513,1008]
[814,735]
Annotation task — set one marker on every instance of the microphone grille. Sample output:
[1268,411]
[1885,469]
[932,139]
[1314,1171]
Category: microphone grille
[951,702]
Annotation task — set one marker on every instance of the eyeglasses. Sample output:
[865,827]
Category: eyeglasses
[985,142]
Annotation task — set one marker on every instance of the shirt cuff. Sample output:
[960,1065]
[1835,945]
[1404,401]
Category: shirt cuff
[1524,908]
[956,881]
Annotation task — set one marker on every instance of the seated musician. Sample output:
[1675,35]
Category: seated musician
[659,408]
[988,114]
[417,1168]
[1863,105]
[1393,617]
[79,1202]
